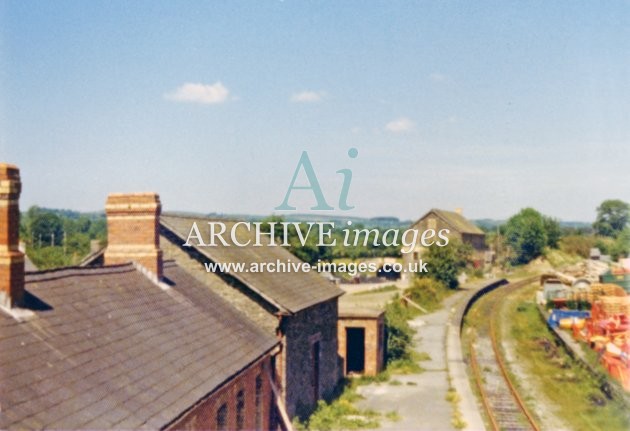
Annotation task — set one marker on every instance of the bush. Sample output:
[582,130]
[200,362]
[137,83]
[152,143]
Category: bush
[398,332]
[427,292]
[579,245]
[340,413]
[48,257]
[621,247]
[445,263]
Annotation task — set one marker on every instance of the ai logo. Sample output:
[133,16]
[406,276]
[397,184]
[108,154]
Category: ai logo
[313,184]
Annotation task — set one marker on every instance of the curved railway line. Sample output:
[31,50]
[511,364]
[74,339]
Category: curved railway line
[503,405]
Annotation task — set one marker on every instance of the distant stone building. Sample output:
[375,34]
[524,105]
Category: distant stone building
[459,228]
[128,345]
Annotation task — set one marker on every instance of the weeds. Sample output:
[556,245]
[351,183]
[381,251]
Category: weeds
[341,413]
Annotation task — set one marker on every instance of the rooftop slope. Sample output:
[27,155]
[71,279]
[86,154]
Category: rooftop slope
[108,348]
[289,292]
[456,220]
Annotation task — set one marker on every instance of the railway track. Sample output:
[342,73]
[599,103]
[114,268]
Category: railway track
[503,405]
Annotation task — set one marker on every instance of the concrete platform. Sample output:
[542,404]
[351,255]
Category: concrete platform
[420,399]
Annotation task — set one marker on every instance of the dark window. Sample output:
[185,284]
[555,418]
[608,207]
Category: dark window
[259,402]
[240,410]
[222,417]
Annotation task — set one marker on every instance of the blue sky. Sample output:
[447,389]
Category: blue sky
[488,106]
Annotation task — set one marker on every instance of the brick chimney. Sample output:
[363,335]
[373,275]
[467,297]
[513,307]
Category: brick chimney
[11,259]
[133,230]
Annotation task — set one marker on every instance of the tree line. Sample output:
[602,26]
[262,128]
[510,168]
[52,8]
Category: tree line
[56,238]
[62,237]
[526,234]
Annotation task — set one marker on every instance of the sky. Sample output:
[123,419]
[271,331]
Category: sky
[486,106]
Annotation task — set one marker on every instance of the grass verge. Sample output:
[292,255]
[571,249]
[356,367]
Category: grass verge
[572,391]
[342,414]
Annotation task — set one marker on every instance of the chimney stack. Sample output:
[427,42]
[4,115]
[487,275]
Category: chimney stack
[133,230]
[11,259]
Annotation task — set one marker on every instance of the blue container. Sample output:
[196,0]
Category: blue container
[556,315]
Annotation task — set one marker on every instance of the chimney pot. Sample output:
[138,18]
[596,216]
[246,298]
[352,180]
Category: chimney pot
[133,230]
[11,258]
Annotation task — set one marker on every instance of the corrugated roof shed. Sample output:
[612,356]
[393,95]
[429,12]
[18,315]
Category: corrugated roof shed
[288,291]
[108,348]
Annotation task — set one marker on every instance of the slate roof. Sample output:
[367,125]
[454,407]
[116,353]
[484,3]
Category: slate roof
[456,220]
[347,311]
[109,348]
[95,258]
[289,292]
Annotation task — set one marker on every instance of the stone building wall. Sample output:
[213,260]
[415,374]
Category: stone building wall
[316,324]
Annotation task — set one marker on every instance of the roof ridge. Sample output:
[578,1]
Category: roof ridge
[202,217]
[43,272]
[453,218]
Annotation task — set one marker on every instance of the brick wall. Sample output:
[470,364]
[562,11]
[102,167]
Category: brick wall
[374,341]
[225,402]
[11,259]
[316,324]
[133,230]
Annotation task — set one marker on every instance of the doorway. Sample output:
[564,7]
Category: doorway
[355,350]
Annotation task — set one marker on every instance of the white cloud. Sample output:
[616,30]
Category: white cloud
[400,125]
[200,93]
[437,77]
[307,97]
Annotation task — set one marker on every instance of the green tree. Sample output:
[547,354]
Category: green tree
[621,246]
[612,217]
[445,263]
[526,234]
[46,228]
[553,231]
